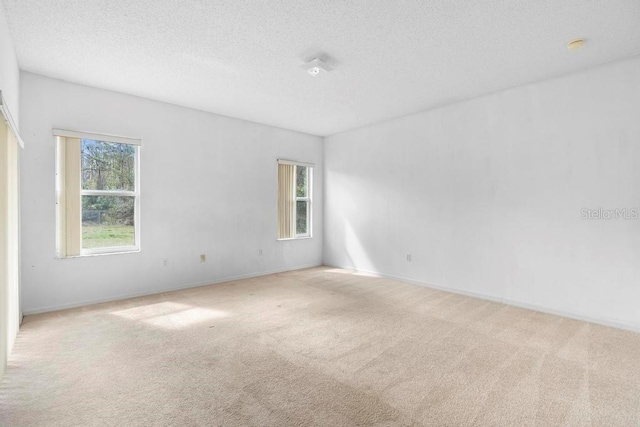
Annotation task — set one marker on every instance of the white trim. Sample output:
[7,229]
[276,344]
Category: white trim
[107,250]
[301,237]
[295,163]
[104,251]
[97,136]
[577,316]
[120,193]
[136,207]
[12,125]
[40,310]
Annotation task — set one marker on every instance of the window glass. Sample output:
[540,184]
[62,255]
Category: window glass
[108,221]
[108,166]
[301,181]
[302,218]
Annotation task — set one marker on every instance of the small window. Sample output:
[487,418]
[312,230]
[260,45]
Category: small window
[98,194]
[294,199]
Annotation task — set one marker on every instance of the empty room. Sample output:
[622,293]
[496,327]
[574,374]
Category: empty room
[319,213]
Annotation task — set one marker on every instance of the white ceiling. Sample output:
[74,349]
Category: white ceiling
[241,58]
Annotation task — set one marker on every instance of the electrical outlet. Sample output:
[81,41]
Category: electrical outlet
[408,257]
[260,252]
[165,262]
[203,258]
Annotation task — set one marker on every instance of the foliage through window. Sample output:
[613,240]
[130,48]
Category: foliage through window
[107,220]
[294,199]
[100,212]
[302,201]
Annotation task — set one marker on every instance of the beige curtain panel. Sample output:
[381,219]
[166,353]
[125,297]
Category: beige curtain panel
[69,200]
[9,241]
[286,201]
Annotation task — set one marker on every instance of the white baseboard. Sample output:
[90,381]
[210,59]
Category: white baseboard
[40,310]
[577,316]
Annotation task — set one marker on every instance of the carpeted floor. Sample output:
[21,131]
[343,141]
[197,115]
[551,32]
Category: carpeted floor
[318,347]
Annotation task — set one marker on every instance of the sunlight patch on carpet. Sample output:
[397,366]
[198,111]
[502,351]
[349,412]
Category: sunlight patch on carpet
[170,315]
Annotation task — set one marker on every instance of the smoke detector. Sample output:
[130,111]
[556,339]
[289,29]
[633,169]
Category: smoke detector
[316,66]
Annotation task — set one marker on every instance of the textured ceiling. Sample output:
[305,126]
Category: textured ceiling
[242,58]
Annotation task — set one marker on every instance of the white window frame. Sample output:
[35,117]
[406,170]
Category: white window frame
[308,198]
[305,199]
[137,143]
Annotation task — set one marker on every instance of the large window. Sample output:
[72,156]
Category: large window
[97,194]
[294,199]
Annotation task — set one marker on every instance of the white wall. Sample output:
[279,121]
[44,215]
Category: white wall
[486,195]
[209,185]
[9,73]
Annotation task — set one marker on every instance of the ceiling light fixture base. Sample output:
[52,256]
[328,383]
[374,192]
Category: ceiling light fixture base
[316,66]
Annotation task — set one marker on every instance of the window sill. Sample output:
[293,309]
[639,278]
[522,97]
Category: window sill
[128,251]
[295,238]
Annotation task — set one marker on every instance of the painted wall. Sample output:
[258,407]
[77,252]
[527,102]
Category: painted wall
[487,196]
[9,72]
[208,183]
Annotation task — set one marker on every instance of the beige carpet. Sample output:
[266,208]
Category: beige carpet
[318,347]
